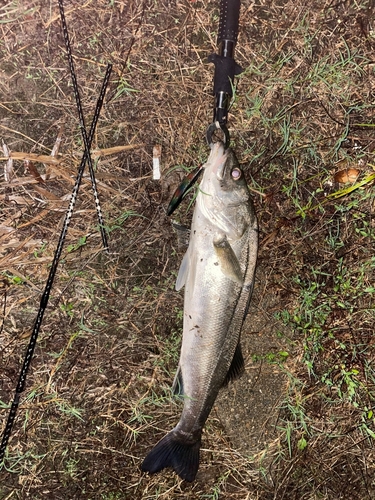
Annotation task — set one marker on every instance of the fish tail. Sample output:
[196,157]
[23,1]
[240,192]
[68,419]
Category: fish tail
[172,452]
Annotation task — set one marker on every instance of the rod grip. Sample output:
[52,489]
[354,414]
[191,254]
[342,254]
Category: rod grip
[229,18]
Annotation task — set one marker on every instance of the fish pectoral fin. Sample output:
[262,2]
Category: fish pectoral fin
[183,271]
[237,366]
[178,385]
[183,234]
[228,261]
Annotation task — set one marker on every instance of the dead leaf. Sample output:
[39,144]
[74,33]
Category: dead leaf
[346,175]
[29,165]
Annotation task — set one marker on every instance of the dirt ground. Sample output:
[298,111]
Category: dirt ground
[299,424]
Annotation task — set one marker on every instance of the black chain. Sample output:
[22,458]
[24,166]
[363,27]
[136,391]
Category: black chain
[45,297]
[82,125]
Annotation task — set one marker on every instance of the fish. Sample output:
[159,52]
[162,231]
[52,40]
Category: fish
[218,272]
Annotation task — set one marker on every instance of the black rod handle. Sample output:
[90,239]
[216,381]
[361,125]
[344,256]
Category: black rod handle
[229,19]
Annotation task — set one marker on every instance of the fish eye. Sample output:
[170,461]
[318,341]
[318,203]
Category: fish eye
[236,174]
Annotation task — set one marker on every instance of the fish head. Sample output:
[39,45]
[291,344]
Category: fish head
[224,197]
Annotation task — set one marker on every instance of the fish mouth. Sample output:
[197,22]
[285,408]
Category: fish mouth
[218,159]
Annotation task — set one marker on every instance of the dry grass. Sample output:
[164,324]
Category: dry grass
[97,395]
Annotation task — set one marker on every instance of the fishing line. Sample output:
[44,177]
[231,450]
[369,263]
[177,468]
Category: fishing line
[103,231]
[45,297]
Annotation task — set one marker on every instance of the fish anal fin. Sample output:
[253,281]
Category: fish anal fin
[172,452]
[228,261]
[237,366]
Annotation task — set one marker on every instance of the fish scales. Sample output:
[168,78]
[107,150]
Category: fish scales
[218,274]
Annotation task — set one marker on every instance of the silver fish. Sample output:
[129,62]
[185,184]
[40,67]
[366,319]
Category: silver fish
[218,274]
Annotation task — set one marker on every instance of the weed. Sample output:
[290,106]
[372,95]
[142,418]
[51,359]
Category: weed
[15,280]
[123,88]
[219,487]
[81,243]
[171,350]
[68,309]
[272,357]
[119,221]
[111,496]
[15,462]
[329,298]
[38,252]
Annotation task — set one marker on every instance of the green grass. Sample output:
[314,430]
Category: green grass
[329,366]
[332,321]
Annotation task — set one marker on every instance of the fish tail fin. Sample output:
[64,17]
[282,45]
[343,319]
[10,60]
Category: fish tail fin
[171,452]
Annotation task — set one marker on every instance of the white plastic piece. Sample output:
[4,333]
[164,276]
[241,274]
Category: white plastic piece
[156,154]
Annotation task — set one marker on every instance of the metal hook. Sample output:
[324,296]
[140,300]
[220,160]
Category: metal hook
[215,127]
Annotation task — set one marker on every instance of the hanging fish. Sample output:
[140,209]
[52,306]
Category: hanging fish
[218,274]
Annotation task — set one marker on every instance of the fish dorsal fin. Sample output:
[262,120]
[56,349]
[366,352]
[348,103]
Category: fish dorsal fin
[237,366]
[228,261]
[183,271]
